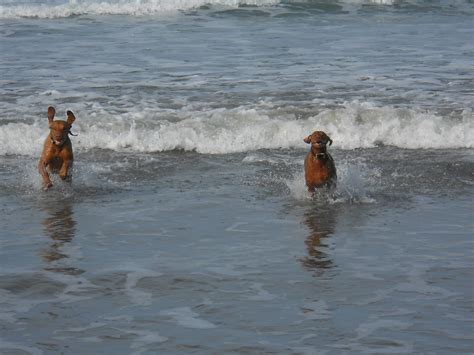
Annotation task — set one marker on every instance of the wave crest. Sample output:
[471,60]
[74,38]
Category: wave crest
[69,8]
[223,131]
[118,7]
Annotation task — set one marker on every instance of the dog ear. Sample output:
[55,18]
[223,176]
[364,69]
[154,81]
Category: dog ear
[70,117]
[307,139]
[328,139]
[51,113]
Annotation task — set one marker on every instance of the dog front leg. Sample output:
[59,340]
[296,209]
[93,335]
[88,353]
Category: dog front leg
[64,172]
[44,174]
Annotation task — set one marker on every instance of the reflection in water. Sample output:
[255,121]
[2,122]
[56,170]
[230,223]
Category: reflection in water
[321,221]
[60,226]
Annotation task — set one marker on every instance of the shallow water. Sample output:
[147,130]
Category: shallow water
[188,227]
[229,254]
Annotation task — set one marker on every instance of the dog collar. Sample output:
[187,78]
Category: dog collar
[61,143]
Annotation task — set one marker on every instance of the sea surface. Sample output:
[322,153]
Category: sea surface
[188,227]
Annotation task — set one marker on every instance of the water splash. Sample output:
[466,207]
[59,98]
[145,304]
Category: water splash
[356,184]
[223,131]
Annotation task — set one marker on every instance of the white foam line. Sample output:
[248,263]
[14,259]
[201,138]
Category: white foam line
[185,317]
[233,228]
[144,338]
[124,7]
[4,345]
[139,297]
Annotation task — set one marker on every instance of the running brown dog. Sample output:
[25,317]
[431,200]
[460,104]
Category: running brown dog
[319,168]
[57,154]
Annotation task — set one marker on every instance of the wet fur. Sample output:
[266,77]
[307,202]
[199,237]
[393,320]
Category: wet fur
[57,156]
[319,167]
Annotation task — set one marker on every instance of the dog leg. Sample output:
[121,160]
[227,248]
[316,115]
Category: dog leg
[44,174]
[64,171]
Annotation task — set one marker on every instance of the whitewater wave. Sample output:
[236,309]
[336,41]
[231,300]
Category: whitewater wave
[68,8]
[223,131]
[118,7]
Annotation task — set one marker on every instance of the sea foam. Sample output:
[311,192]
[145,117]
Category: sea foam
[223,131]
[60,9]
[68,8]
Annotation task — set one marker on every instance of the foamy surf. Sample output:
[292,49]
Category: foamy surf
[62,9]
[224,131]
[68,8]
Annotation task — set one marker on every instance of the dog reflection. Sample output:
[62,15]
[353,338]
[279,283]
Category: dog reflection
[321,224]
[60,226]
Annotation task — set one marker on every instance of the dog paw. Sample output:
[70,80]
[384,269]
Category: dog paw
[47,186]
[66,178]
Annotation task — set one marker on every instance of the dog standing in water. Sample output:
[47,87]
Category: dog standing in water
[319,168]
[57,154]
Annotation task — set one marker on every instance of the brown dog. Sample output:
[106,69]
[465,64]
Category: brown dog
[57,154]
[319,168]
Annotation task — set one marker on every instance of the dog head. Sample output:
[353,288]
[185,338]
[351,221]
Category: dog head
[318,140]
[59,130]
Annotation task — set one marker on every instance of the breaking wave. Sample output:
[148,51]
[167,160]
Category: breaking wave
[68,8]
[222,131]
[59,9]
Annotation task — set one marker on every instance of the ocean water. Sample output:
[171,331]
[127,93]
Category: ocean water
[188,228]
